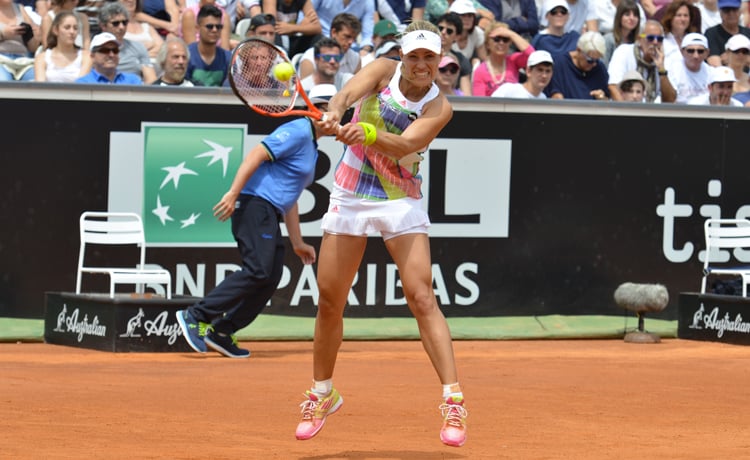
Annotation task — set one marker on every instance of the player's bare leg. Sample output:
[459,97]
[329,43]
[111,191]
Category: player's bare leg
[339,259]
[411,253]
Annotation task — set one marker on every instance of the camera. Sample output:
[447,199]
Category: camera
[28,33]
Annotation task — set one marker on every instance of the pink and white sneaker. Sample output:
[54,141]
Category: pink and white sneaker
[453,432]
[314,412]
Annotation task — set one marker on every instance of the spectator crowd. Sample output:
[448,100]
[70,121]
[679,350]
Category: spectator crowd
[647,51]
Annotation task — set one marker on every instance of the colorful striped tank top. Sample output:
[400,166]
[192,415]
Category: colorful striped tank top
[368,173]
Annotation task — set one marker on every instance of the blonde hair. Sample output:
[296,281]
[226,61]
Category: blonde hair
[492,26]
[421,25]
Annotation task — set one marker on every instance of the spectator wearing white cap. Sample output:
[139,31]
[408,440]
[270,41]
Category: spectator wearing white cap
[538,75]
[719,35]
[738,52]
[632,87]
[580,74]
[689,74]
[720,86]
[470,42]
[578,11]
[554,38]
[647,57]
[105,58]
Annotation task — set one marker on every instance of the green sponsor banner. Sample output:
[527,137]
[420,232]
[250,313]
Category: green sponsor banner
[186,171]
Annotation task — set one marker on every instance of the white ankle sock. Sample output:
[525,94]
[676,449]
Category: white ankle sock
[322,387]
[453,389]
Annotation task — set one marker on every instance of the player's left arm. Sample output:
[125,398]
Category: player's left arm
[305,252]
[224,209]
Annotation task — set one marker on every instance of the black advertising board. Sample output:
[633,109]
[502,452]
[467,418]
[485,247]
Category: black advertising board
[537,209]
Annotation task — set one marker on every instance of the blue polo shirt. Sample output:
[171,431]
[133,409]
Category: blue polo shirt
[120,79]
[293,151]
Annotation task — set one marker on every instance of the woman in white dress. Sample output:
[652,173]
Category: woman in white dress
[62,61]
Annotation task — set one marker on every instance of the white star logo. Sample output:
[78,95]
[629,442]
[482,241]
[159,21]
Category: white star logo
[219,152]
[175,172]
[190,220]
[162,212]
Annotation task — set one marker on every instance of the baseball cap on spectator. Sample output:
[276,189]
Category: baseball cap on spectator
[729,3]
[738,42]
[261,20]
[694,39]
[447,60]
[539,57]
[632,75]
[462,7]
[322,93]
[386,47]
[384,27]
[101,39]
[721,74]
[550,5]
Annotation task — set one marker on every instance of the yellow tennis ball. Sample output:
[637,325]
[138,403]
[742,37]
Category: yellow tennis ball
[283,71]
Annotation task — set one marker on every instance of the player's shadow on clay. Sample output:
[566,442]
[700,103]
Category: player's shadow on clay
[395,455]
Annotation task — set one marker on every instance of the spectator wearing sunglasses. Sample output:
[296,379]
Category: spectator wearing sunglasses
[720,83]
[191,27]
[647,57]
[327,66]
[450,27]
[501,66]
[738,50]
[105,58]
[719,35]
[538,75]
[208,63]
[114,18]
[344,29]
[447,77]
[580,74]
[554,38]
[689,74]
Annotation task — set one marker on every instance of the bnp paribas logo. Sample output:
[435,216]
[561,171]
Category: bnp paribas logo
[186,171]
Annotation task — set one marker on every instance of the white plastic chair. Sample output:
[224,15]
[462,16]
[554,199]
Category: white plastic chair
[241,27]
[118,228]
[724,234]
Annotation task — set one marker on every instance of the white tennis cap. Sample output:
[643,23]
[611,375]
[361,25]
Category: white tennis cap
[694,38]
[539,57]
[320,94]
[417,39]
[102,38]
[721,74]
[738,42]
[462,7]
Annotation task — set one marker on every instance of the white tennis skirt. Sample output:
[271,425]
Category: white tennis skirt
[350,215]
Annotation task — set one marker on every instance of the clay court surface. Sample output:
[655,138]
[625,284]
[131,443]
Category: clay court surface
[578,399]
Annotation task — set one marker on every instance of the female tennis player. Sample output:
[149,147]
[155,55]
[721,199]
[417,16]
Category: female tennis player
[399,111]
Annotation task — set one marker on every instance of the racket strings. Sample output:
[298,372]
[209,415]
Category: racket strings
[252,74]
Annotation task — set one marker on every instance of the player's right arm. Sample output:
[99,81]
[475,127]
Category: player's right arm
[224,209]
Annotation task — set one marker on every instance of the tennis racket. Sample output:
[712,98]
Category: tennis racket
[251,75]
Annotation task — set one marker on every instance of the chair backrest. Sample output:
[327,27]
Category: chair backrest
[114,228]
[725,233]
[241,27]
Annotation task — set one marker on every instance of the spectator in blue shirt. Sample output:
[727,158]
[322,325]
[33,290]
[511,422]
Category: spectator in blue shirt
[208,63]
[521,17]
[364,10]
[105,56]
